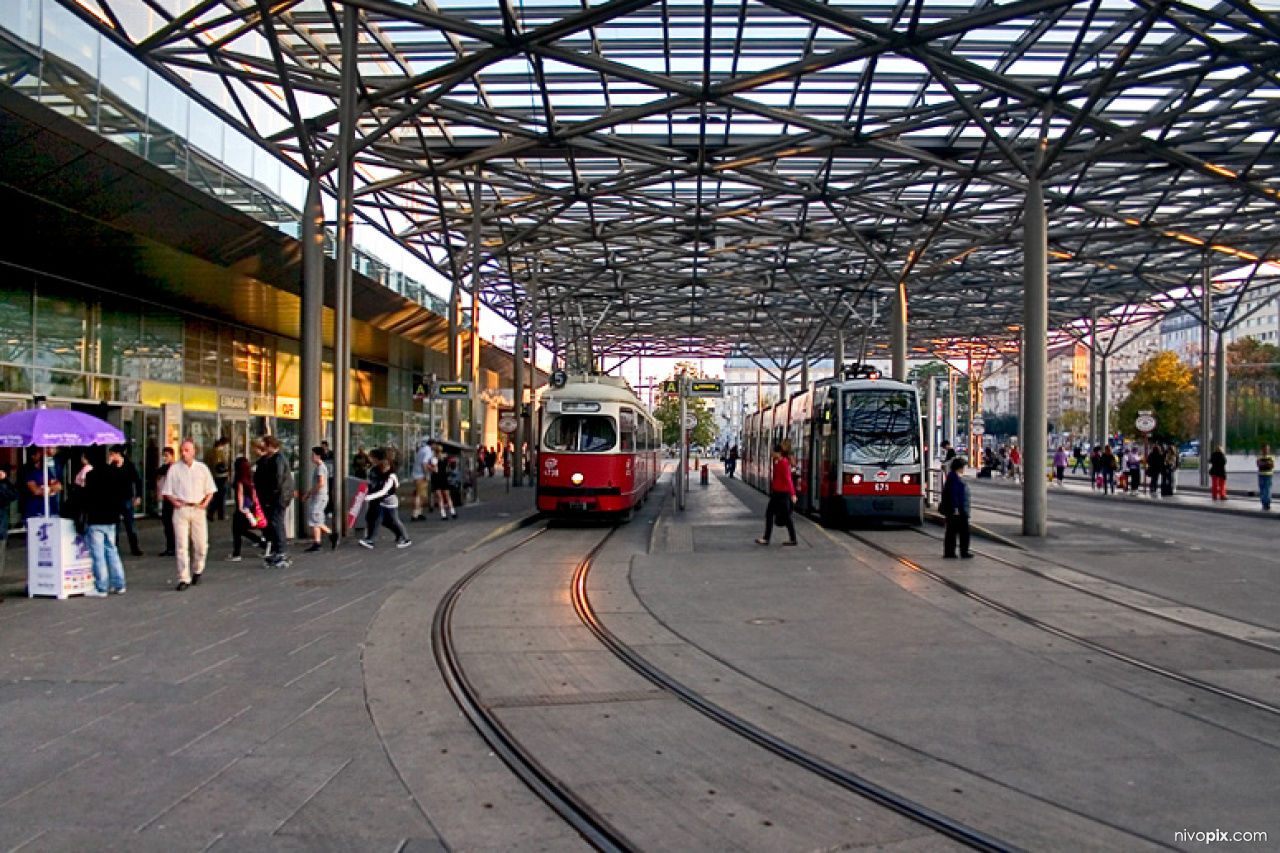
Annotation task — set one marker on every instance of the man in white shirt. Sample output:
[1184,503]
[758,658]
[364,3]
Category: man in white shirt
[189,487]
[423,464]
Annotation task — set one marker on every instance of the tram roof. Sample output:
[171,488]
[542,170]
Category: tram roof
[694,179]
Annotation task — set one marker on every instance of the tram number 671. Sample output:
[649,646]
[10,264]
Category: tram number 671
[882,487]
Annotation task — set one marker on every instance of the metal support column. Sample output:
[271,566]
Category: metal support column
[311,389]
[898,333]
[342,309]
[782,383]
[1035,323]
[1094,432]
[951,405]
[682,481]
[1104,398]
[838,359]
[930,435]
[804,373]
[1206,379]
[1219,397]
[517,394]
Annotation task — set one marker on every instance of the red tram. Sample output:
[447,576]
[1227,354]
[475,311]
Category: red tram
[598,452]
[857,449]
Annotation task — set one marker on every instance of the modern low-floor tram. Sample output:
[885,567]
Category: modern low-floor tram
[857,449]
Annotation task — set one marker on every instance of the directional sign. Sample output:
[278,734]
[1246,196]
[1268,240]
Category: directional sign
[452,390]
[706,387]
[1145,422]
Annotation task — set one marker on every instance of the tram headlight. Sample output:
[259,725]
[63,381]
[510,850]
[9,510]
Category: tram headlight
[576,478]
[852,479]
[907,478]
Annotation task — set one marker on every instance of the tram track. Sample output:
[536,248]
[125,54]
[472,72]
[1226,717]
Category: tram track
[1027,619]
[587,821]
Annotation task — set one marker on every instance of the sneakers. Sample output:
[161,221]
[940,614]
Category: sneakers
[234,558]
[315,546]
[792,543]
[120,591]
[195,579]
[182,586]
[94,593]
[762,541]
[365,543]
[404,543]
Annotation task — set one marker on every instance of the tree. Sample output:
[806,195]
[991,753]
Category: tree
[668,412]
[1168,389]
[1253,394]
[1073,421]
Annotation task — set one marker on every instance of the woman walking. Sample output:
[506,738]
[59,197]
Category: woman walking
[1218,474]
[244,521]
[382,501]
[782,491]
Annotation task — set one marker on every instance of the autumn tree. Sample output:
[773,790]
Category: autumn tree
[1168,389]
[1253,394]
[668,412]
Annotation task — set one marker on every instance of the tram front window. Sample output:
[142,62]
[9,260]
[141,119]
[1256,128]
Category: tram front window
[580,434]
[880,428]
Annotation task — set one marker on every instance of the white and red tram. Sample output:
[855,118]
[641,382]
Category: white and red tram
[598,448]
[857,449]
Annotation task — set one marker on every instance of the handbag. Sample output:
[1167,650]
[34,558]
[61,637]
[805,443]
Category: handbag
[254,508]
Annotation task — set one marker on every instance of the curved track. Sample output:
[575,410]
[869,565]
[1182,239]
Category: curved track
[1085,642]
[588,822]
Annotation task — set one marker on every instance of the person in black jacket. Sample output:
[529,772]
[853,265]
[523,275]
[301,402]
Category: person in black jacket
[117,459]
[273,481]
[106,491]
[954,506]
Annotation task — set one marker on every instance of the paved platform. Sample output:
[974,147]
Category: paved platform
[300,709]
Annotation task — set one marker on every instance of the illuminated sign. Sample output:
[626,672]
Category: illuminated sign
[706,387]
[451,390]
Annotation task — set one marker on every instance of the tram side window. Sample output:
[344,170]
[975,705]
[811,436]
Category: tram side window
[580,434]
[627,430]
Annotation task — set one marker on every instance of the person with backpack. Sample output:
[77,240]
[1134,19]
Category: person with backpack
[382,501]
[273,482]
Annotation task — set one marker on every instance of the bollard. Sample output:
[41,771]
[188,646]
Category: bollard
[704,475]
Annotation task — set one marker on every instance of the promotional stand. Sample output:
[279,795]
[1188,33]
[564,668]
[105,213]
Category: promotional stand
[58,561]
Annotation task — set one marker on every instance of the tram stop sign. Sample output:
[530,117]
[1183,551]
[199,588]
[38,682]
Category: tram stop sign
[1145,422]
[690,421]
[507,421]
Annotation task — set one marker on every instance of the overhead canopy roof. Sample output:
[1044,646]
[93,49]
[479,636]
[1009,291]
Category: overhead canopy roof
[693,177]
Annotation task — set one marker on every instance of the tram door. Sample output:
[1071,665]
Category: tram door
[146,457]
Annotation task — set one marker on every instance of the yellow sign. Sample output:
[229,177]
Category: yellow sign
[158,393]
[447,390]
[706,388]
[288,407]
[360,414]
[326,410]
[200,399]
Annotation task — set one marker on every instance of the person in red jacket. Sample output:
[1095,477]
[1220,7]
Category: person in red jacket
[782,491]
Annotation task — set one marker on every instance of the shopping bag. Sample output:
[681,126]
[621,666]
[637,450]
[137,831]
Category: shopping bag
[356,512]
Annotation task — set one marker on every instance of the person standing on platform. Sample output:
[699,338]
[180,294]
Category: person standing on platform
[782,491]
[1155,469]
[220,465]
[117,459]
[189,487]
[166,508]
[954,506]
[1133,464]
[1218,474]
[440,485]
[1266,467]
[107,491]
[8,494]
[244,524]
[1107,466]
[273,481]
[422,465]
[731,461]
[38,483]
[382,501]
[1078,462]
[318,501]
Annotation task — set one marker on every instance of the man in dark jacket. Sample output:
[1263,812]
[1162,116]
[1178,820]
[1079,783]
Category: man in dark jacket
[106,491]
[273,481]
[117,459]
[954,506]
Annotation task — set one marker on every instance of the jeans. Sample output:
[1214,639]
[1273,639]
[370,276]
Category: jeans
[1108,481]
[386,515]
[275,532]
[106,557]
[166,519]
[1264,490]
[126,521]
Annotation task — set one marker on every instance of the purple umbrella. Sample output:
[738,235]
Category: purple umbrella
[55,428]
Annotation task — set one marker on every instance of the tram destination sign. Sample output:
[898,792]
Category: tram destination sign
[706,387]
[451,390]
